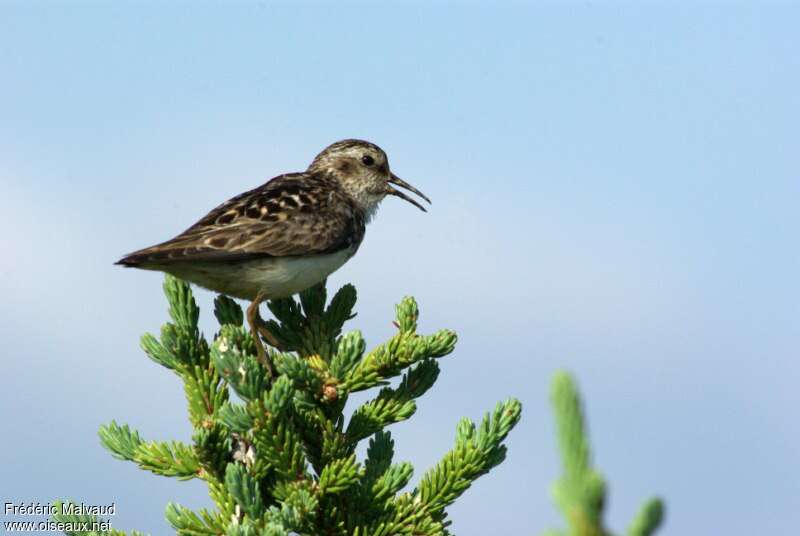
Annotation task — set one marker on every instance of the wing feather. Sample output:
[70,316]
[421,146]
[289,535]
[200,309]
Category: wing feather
[291,215]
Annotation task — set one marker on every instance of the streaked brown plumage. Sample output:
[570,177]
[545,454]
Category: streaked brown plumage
[293,214]
[285,235]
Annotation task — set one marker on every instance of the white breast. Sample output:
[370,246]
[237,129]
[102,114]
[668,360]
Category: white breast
[277,277]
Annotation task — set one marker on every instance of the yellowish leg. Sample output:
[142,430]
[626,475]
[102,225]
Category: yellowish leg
[259,329]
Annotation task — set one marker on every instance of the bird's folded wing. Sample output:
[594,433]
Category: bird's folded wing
[285,217]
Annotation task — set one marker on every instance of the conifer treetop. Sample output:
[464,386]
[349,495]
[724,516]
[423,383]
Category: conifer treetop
[279,455]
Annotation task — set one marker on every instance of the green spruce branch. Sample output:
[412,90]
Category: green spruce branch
[279,456]
[580,493]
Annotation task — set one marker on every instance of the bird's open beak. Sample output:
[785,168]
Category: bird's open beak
[394,179]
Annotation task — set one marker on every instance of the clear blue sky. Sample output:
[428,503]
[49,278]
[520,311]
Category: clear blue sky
[615,192]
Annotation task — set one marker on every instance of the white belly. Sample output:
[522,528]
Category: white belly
[276,277]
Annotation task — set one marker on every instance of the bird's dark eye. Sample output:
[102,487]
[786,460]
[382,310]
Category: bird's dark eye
[367,160]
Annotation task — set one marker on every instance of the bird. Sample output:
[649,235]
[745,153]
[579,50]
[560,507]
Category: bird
[284,236]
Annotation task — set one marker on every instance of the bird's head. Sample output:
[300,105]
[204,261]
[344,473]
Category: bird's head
[362,169]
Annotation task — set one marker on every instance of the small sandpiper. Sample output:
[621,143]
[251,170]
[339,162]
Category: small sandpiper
[285,235]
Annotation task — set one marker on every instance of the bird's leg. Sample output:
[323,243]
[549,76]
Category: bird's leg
[258,328]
